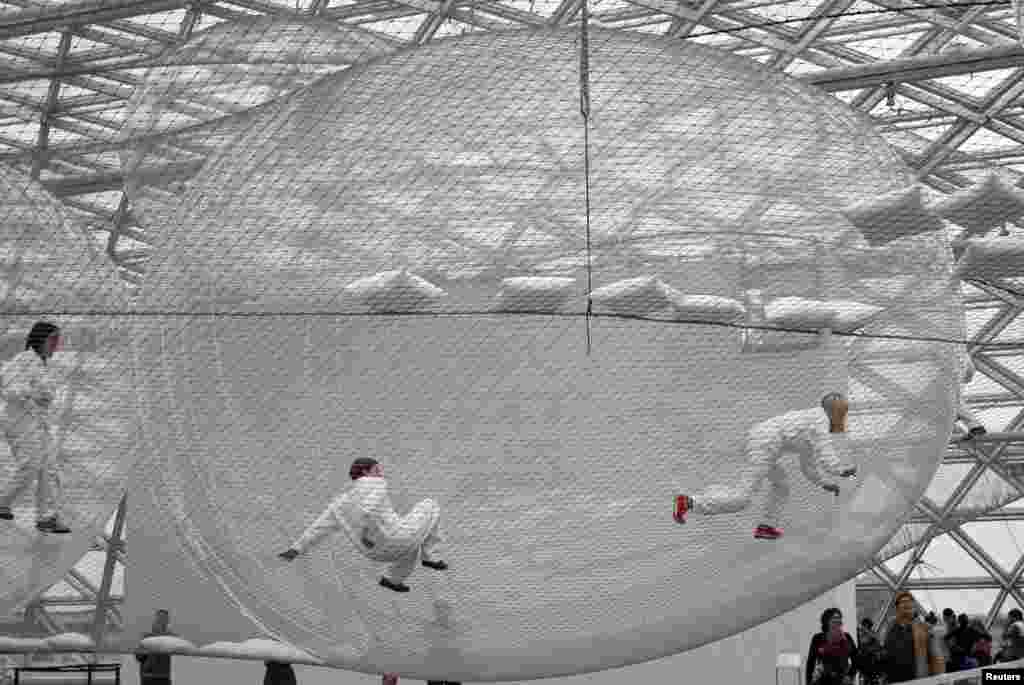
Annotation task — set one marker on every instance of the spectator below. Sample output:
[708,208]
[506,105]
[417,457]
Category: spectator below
[910,648]
[833,655]
[869,649]
[279,674]
[965,637]
[982,649]
[155,669]
[945,635]
[1013,637]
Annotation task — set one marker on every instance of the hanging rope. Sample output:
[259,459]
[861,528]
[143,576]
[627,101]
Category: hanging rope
[585,111]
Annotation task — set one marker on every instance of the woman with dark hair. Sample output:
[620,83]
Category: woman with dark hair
[832,657]
[964,639]
[365,513]
[29,391]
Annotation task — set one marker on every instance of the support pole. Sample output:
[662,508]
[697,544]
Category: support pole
[114,545]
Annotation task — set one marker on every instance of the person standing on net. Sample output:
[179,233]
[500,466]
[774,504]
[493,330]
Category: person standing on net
[808,434]
[155,669]
[366,515]
[29,391]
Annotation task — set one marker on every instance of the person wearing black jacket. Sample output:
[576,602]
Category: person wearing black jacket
[279,674]
[155,669]
[962,643]
[870,654]
[833,654]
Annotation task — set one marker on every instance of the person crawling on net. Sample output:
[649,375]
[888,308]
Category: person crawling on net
[365,513]
[807,433]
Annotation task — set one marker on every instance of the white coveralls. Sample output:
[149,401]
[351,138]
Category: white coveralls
[804,432]
[365,512]
[27,384]
[963,414]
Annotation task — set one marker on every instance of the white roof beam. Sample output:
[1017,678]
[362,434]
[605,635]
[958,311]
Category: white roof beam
[918,68]
[42,19]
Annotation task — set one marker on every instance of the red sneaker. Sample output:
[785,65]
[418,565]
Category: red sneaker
[767,533]
[683,505]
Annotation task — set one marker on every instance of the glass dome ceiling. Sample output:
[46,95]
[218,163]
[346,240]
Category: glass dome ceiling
[943,83]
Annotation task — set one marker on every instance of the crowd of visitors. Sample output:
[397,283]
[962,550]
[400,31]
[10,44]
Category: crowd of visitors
[911,648]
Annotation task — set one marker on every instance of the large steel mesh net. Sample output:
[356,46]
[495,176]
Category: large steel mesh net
[395,262]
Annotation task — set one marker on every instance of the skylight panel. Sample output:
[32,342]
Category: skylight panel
[403,28]
[888,48]
[975,84]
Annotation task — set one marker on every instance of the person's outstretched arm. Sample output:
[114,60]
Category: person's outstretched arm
[825,464]
[327,523]
[828,460]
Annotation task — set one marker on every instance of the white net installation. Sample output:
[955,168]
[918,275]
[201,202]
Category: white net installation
[626,354]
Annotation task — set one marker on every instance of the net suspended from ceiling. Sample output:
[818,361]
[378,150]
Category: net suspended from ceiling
[200,94]
[544,334]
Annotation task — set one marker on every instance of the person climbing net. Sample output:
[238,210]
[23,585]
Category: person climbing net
[365,513]
[809,434]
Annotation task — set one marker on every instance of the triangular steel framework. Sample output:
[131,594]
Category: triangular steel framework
[92,606]
[51,88]
[999,453]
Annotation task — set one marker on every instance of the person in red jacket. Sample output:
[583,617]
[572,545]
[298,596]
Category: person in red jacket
[832,658]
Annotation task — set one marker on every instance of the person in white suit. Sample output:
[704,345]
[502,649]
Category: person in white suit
[29,390]
[963,414]
[366,515]
[808,434]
